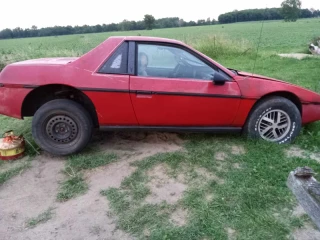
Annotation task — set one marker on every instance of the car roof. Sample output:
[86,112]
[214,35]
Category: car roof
[148,39]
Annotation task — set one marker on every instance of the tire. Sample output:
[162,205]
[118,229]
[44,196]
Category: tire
[264,122]
[62,127]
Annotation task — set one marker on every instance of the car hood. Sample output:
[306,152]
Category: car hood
[47,61]
[256,86]
[247,74]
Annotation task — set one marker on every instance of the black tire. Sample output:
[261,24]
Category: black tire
[274,105]
[62,127]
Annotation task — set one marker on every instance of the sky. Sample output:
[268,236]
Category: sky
[42,13]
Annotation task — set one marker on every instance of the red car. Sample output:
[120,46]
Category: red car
[133,83]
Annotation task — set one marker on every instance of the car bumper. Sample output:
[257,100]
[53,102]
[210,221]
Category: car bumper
[11,100]
[310,113]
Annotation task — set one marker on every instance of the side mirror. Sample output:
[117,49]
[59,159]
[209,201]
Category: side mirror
[219,79]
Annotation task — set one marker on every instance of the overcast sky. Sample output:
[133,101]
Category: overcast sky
[43,13]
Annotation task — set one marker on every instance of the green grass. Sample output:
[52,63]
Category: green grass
[11,172]
[42,218]
[19,127]
[75,183]
[247,201]
[89,160]
[250,196]
[277,36]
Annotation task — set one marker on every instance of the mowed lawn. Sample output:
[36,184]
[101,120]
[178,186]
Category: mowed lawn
[231,187]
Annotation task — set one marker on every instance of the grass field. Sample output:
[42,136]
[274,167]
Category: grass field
[249,198]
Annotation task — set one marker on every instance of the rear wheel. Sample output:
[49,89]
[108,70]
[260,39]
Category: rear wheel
[275,119]
[62,127]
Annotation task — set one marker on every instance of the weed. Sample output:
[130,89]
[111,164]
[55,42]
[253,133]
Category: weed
[42,218]
[72,187]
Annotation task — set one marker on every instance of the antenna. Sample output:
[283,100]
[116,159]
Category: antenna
[255,61]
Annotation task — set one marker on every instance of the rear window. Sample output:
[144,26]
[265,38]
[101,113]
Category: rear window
[118,62]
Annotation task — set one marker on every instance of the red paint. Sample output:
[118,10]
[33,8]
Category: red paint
[310,113]
[175,110]
[244,110]
[11,100]
[178,102]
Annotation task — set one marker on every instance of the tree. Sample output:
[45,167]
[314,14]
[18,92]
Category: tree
[6,33]
[201,22]
[306,13]
[149,21]
[291,10]
[213,22]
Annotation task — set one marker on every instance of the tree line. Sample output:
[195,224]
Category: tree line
[125,25]
[263,14]
[150,22]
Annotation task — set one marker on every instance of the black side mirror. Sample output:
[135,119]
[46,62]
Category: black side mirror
[219,79]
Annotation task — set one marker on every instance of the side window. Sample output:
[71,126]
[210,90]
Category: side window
[118,62]
[171,62]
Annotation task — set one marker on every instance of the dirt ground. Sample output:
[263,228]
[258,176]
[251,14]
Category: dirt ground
[86,217]
[298,56]
[34,191]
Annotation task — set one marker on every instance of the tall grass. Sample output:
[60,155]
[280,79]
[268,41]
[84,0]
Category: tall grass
[217,46]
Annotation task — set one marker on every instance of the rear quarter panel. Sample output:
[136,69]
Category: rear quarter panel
[19,79]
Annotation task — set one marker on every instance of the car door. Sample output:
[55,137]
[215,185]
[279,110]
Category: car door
[109,90]
[172,86]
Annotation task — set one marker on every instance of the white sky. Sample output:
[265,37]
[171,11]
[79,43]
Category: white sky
[44,13]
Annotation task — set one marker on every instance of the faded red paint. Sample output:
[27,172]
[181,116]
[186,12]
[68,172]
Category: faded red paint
[11,100]
[186,102]
[310,113]
[177,110]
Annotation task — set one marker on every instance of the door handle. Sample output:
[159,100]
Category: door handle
[144,94]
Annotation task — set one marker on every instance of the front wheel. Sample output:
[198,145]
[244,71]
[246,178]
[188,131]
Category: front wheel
[275,119]
[62,127]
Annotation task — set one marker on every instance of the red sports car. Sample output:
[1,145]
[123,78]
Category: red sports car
[133,83]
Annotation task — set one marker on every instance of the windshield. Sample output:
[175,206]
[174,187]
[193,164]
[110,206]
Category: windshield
[181,55]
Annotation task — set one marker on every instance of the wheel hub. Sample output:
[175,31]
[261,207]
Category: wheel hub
[274,125]
[61,129]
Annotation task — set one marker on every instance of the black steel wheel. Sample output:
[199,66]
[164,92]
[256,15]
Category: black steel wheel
[62,127]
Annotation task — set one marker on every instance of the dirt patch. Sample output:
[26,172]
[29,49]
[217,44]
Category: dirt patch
[9,165]
[306,233]
[237,150]
[208,175]
[231,233]
[298,152]
[85,217]
[179,217]
[315,156]
[298,211]
[236,166]
[146,232]
[139,143]
[295,152]
[164,187]
[298,56]
[220,156]
[29,194]
[209,197]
